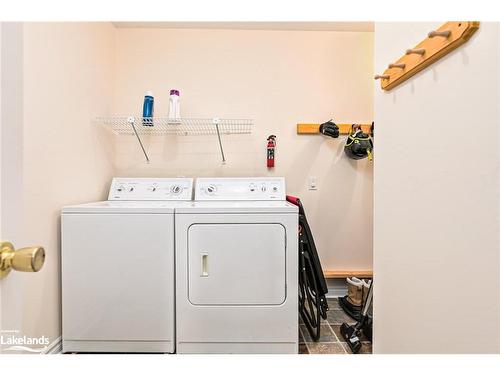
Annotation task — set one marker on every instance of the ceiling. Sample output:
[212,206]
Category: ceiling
[299,26]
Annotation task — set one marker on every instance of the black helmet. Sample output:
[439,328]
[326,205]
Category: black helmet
[329,128]
[359,145]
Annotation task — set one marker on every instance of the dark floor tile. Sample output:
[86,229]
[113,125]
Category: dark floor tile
[337,317]
[366,348]
[333,304]
[303,349]
[326,334]
[336,330]
[326,348]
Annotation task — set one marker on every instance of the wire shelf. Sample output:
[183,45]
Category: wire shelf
[184,126]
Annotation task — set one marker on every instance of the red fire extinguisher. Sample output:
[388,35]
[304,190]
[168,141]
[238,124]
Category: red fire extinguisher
[271,145]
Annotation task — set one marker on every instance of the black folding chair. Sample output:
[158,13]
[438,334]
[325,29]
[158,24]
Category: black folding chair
[312,284]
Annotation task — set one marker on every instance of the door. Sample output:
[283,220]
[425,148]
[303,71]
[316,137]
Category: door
[14,338]
[237,264]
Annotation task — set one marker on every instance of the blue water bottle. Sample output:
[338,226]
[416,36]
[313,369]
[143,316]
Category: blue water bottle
[148,109]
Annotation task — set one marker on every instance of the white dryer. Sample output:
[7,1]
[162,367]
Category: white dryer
[118,268]
[237,268]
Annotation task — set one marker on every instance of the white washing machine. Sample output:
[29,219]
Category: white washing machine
[118,268]
[237,268]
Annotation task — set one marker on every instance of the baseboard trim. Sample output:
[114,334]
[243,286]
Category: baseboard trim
[55,347]
[336,288]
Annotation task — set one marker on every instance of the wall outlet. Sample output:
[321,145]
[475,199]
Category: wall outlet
[312,183]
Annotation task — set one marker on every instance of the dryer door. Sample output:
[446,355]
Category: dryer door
[237,264]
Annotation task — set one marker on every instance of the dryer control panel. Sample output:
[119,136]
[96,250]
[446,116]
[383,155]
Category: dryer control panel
[241,189]
[151,189]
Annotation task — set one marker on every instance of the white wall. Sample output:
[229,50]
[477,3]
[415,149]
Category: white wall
[436,197]
[278,78]
[68,78]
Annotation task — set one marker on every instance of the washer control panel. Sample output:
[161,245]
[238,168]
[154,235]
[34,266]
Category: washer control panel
[240,189]
[151,189]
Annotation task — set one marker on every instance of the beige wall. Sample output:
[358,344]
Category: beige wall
[12,162]
[74,72]
[278,78]
[68,71]
[436,217]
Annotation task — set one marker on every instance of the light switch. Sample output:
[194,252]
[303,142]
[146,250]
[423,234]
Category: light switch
[312,183]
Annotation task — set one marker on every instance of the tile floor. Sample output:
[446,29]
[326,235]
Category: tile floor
[330,341]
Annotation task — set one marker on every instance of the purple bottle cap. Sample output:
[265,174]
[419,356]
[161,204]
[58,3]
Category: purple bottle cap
[174,92]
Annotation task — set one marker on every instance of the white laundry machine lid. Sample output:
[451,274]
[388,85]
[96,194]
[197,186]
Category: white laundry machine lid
[112,207]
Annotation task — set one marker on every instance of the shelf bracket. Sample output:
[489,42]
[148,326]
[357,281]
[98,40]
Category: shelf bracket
[131,121]
[216,122]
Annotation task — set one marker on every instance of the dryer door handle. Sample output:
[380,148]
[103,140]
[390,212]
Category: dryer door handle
[204,265]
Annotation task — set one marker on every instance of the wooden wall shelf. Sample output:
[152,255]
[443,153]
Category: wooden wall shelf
[438,43]
[343,128]
[342,274]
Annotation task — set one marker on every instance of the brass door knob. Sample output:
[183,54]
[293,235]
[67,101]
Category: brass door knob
[28,259]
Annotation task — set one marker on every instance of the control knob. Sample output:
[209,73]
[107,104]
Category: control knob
[176,189]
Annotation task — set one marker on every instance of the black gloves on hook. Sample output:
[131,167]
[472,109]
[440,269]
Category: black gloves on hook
[330,129]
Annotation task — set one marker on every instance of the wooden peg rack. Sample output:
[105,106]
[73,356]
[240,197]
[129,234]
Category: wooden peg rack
[439,43]
[342,274]
[343,128]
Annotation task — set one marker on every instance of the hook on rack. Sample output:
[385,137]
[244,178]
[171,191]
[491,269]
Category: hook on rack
[386,76]
[400,66]
[443,33]
[416,51]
